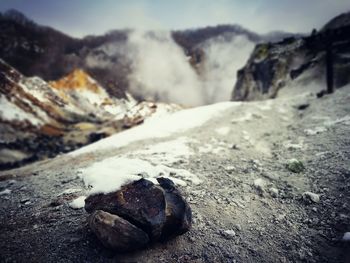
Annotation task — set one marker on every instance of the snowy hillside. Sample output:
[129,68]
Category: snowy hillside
[235,163]
[40,119]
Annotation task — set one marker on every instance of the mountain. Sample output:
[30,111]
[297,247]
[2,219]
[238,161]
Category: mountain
[40,119]
[41,51]
[338,21]
[297,60]
[45,52]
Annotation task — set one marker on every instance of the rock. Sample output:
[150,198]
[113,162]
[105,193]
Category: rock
[5,192]
[230,168]
[159,211]
[309,196]
[274,192]
[11,182]
[303,106]
[295,166]
[321,93]
[178,213]
[228,234]
[235,147]
[259,184]
[117,233]
[141,202]
[346,237]
[24,200]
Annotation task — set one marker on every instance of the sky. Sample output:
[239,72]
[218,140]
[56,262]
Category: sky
[85,17]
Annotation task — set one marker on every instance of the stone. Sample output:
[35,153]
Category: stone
[295,166]
[274,192]
[309,196]
[178,213]
[346,237]
[5,192]
[259,184]
[230,168]
[117,233]
[303,106]
[141,202]
[159,211]
[228,234]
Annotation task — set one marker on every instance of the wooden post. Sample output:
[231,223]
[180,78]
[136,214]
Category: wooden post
[329,67]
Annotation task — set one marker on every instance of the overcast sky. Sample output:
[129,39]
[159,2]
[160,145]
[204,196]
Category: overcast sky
[82,17]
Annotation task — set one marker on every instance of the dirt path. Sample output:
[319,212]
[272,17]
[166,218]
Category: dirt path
[248,208]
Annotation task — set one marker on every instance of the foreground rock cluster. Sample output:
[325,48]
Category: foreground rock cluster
[139,213]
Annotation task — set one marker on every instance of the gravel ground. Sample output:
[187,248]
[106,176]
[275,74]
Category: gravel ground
[249,207]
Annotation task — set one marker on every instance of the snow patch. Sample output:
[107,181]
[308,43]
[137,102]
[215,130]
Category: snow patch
[345,120]
[78,203]
[294,146]
[215,146]
[166,152]
[112,173]
[223,131]
[160,127]
[315,131]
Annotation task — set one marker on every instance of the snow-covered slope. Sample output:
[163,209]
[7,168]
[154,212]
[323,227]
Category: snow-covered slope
[231,162]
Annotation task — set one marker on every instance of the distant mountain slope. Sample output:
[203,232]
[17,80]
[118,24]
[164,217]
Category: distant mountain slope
[45,52]
[40,119]
[338,21]
[300,60]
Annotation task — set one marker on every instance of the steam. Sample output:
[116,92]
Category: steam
[162,72]
[223,59]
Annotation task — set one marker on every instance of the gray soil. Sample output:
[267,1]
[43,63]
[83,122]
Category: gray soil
[266,225]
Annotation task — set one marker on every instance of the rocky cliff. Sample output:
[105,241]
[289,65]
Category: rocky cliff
[298,60]
[40,119]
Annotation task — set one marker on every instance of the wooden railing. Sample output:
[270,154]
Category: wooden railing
[331,41]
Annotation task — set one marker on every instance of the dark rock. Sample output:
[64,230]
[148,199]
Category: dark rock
[159,211]
[140,202]
[272,66]
[117,233]
[321,94]
[178,213]
[303,106]
[311,197]
[295,166]
[96,136]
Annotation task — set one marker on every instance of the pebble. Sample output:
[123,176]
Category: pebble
[259,184]
[5,192]
[25,200]
[11,182]
[273,192]
[346,237]
[295,166]
[309,196]
[230,168]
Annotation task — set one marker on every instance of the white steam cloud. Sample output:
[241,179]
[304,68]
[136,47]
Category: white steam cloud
[161,71]
[223,59]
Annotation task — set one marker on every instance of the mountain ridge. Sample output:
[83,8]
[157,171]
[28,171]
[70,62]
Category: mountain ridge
[50,54]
